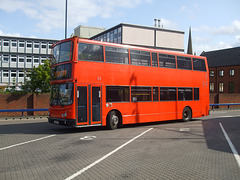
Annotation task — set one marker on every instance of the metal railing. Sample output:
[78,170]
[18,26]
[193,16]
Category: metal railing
[22,110]
[225,104]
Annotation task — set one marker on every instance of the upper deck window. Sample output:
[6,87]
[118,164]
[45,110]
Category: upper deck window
[116,55]
[199,64]
[90,52]
[62,52]
[184,63]
[167,61]
[141,58]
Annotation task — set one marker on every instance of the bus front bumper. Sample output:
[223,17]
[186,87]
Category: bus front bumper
[64,122]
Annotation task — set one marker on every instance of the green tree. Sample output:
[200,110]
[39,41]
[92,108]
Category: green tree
[39,79]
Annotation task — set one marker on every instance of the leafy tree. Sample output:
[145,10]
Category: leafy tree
[39,79]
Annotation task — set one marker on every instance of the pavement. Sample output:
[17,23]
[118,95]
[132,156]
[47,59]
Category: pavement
[199,149]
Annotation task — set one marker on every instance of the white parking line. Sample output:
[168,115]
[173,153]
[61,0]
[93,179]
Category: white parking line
[235,153]
[106,156]
[27,142]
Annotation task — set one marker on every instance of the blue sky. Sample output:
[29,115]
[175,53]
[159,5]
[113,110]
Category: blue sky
[215,23]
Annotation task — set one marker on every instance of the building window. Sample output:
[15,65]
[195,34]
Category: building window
[29,44]
[21,44]
[20,58]
[36,59]
[231,72]
[36,44]
[14,43]
[13,58]
[220,87]
[5,73]
[221,73]
[29,59]
[5,42]
[20,74]
[44,45]
[5,58]
[211,87]
[13,73]
[231,87]
[211,73]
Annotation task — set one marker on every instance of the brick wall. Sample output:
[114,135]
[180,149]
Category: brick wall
[24,101]
[219,98]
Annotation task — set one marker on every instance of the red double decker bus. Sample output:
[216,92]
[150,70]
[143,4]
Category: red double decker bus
[97,83]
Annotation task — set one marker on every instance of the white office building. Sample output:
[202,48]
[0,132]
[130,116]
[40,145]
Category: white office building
[20,54]
[144,36]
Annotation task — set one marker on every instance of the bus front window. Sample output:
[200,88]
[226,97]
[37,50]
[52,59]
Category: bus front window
[62,52]
[61,94]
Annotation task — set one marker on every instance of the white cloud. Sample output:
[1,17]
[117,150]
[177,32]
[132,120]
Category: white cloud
[232,29]
[50,14]
[168,24]
[9,34]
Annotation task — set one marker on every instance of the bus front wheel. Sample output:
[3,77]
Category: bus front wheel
[187,114]
[113,120]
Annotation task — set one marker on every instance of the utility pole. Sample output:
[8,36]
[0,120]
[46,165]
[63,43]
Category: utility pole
[66,21]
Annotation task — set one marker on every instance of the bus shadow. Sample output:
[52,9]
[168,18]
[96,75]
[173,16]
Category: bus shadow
[44,128]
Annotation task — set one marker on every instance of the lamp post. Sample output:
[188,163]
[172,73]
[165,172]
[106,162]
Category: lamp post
[66,21]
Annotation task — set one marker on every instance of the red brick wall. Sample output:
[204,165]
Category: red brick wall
[220,98]
[225,79]
[24,101]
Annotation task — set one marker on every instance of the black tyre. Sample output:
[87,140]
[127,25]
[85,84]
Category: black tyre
[187,114]
[113,120]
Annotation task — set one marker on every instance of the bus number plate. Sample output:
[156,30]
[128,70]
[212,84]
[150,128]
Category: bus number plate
[56,122]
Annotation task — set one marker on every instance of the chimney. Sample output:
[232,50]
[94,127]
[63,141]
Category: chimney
[155,22]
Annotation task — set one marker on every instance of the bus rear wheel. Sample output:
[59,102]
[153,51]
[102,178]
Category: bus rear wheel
[113,120]
[187,114]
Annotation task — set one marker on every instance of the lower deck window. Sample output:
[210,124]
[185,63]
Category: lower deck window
[117,93]
[168,94]
[141,94]
[185,94]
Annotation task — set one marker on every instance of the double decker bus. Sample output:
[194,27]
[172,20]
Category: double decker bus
[97,83]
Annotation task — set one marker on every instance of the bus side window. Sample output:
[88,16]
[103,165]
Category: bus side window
[116,55]
[184,62]
[199,64]
[154,60]
[185,94]
[90,52]
[140,58]
[167,61]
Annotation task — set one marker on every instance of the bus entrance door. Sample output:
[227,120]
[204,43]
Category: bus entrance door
[89,105]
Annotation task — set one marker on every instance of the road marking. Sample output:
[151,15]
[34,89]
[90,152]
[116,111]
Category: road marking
[106,156]
[184,129]
[88,138]
[27,142]
[235,153]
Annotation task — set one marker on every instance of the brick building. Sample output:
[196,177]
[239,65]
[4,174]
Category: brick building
[224,70]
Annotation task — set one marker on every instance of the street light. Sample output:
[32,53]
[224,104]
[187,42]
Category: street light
[66,21]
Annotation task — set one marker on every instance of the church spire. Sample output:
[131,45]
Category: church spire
[189,49]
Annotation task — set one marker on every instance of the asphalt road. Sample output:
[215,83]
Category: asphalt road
[206,148]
